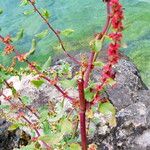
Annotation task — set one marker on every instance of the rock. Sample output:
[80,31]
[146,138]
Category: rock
[132,100]
[11,139]
[130,133]
[128,85]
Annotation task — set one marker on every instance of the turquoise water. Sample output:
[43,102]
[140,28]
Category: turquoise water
[85,18]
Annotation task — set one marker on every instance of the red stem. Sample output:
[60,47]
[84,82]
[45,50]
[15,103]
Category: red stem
[89,69]
[55,32]
[36,115]
[30,123]
[91,58]
[82,114]
[108,19]
[37,132]
[55,85]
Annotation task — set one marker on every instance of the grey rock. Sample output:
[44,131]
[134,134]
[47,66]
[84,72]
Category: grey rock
[132,100]
[11,139]
[129,83]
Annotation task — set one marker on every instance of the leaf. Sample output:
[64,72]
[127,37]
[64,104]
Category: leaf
[46,127]
[98,45]
[1,11]
[15,126]
[28,147]
[19,35]
[111,81]
[88,94]
[37,83]
[66,126]
[24,2]
[75,146]
[43,113]
[65,70]
[6,107]
[60,112]
[90,113]
[26,100]
[107,108]
[67,32]
[42,35]
[47,64]
[33,48]
[99,63]
[68,83]
[45,14]
[28,12]
[112,121]
[52,139]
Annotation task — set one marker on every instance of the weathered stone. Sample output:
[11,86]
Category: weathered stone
[11,139]
[128,84]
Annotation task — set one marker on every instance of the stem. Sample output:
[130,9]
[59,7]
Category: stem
[89,69]
[19,98]
[82,114]
[37,132]
[49,80]
[55,32]
[108,19]
[30,123]
[92,55]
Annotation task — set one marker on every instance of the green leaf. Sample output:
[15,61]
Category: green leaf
[37,83]
[28,12]
[24,2]
[19,35]
[66,126]
[15,126]
[46,127]
[52,139]
[26,100]
[88,94]
[75,146]
[68,83]
[111,81]
[60,112]
[97,45]
[14,92]
[28,147]
[99,63]
[33,48]
[47,64]
[1,11]
[43,114]
[65,70]
[45,14]
[67,32]
[42,35]
[5,107]
[109,111]
[107,108]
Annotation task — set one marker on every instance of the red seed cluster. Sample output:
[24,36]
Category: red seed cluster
[116,36]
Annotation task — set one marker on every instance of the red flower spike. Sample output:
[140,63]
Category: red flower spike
[116,36]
